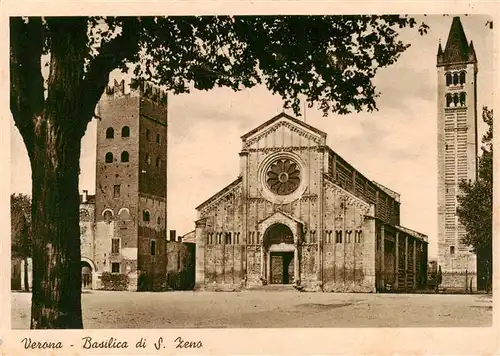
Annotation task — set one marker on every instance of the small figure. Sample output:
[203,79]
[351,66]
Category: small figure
[439,279]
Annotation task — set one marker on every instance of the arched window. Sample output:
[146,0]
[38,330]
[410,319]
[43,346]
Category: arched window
[108,158]
[449,100]
[110,132]
[158,162]
[448,79]
[125,131]
[158,220]
[124,157]
[455,99]
[107,214]
[462,77]
[462,99]
[124,214]
[158,139]
[455,79]
[148,134]
[145,215]
[147,159]
[153,247]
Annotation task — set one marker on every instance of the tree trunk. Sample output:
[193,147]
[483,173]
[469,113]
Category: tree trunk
[52,127]
[26,276]
[56,282]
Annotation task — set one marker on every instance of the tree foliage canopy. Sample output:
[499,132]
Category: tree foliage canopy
[476,203]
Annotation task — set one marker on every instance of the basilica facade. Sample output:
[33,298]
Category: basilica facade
[299,214]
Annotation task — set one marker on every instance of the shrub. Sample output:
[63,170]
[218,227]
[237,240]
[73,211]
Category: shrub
[111,281]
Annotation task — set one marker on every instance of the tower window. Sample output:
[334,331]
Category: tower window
[462,99]
[348,236]
[158,140]
[153,247]
[158,162]
[338,236]
[125,131]
[455,99]
[108,158]
[357,237]
[145,215]
[452,250]
[455,79]
[462,78]
[115,267]
[449,79]
[108,215]
[148,135]
[116,191]
[110,132]
[449,100]
[124,157]
[124,214]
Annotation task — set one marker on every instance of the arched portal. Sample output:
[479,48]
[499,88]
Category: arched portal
[280,251]
[86,275]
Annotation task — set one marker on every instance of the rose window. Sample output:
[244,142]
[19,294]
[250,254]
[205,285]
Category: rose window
[283,177]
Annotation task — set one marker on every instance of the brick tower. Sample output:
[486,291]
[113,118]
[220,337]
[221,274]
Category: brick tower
[131,184]
[457,152]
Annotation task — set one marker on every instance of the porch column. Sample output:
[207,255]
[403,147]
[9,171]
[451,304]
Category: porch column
[406,262]
[296,269]
[382,256]
[268,267]
[262,261]
[414,263]
[396,262]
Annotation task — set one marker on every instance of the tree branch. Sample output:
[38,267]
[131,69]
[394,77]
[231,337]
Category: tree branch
[26,80]
[112,55]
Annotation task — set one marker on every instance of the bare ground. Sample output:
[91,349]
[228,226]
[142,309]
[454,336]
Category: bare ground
[263,309]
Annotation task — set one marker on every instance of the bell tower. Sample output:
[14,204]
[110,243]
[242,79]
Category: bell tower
[131,184]
[457,152]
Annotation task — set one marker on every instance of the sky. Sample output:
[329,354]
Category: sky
[395,146]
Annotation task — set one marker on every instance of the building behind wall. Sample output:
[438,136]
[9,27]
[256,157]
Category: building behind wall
[457,70]
[180,261]
[299,214]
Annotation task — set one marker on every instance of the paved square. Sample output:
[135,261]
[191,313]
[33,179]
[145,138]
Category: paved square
[263,309]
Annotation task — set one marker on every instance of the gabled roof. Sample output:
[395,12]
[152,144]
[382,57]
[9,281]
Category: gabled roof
[457,48]
[394,195]
[288,216]
[220,193]
[288,117]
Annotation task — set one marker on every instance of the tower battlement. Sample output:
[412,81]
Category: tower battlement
[137,87]
[152,101]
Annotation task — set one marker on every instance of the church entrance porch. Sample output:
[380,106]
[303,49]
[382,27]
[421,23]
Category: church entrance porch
[279,254]
[282,271]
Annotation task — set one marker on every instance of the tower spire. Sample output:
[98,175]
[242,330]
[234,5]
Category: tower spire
[457,46]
